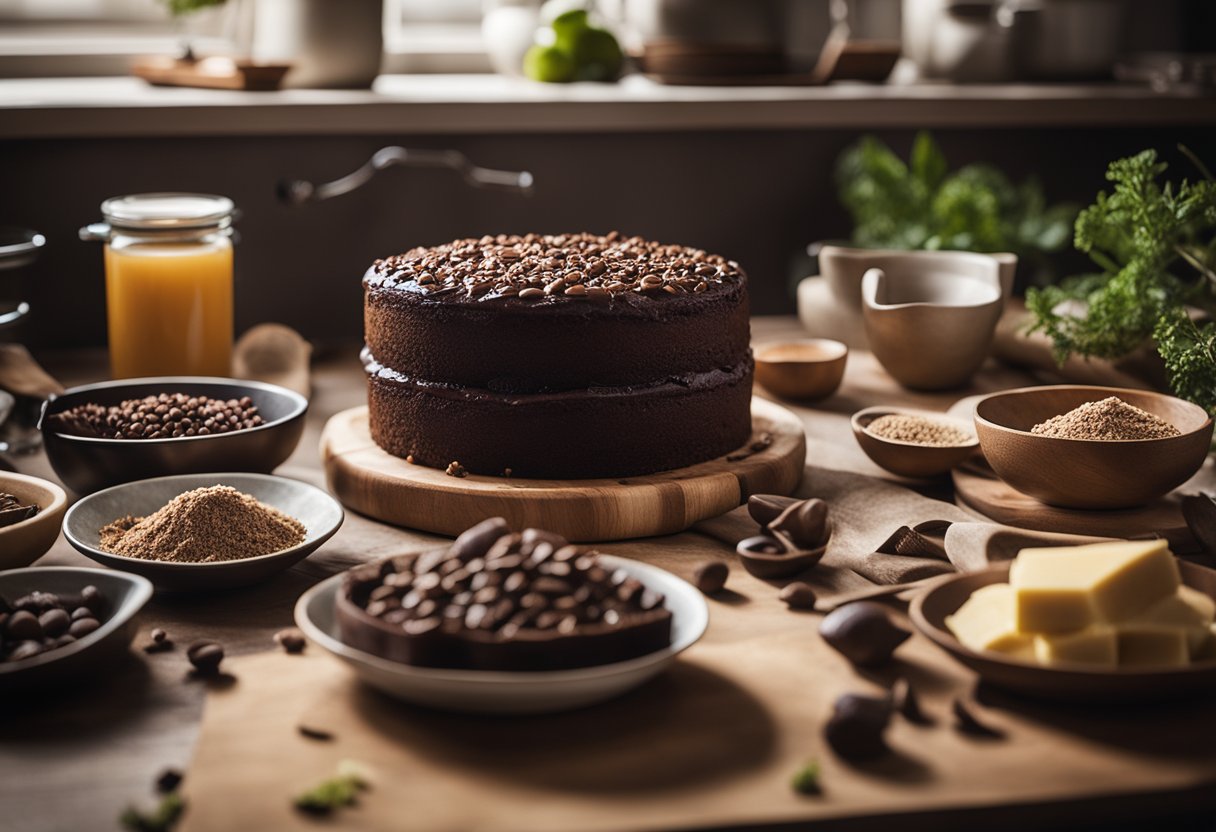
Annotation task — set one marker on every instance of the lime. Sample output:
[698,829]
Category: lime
[569,22]
[597,55]
[548,64]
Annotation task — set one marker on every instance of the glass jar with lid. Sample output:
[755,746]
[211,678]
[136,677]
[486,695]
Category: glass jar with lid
[168,261]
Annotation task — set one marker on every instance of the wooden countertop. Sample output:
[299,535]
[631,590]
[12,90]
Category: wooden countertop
[76,757]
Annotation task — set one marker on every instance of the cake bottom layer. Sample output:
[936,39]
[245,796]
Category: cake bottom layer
[583,434]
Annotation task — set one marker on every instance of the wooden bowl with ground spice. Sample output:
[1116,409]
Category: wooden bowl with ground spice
[914,443]
[1084,447]
[199,532]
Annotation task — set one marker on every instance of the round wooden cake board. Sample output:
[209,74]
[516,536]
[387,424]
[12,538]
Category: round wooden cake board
[370,481]
[977,488]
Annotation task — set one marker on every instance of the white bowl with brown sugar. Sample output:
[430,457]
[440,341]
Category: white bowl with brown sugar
[196,532]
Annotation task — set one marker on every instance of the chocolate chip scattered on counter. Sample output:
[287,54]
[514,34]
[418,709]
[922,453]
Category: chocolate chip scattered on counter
[863,633]
[206,657]
[169,780]
[798,596]
[161,643]
[710,577]
[966,722]
[907,703]
[319,734]
[857,727]
[291,640]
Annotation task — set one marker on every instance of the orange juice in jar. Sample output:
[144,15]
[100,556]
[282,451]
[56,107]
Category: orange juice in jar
[168,260]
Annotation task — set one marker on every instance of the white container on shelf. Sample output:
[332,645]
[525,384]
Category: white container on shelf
[330,44]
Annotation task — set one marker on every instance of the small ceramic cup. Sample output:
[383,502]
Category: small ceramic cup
[931,329]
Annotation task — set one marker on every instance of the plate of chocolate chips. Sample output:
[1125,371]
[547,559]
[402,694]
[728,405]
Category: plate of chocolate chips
[55,621]
[504,622]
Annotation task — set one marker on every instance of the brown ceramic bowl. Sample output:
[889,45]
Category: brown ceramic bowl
[907,458]
[1073,684]
[803,370]
[23,543]
[1089,473]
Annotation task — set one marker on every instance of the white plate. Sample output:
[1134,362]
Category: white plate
[501,692]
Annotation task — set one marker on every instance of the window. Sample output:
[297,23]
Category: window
[43,38]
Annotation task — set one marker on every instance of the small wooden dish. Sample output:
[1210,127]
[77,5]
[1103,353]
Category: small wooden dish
[1089,473]
[216,72]
[803,370]
[906,458]
[1080,684]
[23,543]
[774,566]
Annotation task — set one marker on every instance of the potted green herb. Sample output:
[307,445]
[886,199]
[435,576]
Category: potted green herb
[922,204]
[1154,243]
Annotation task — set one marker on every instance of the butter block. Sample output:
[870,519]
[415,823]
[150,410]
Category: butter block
[1059,590]
[1097,646]
[1148,646]
[985,622]
[1207,650]
[1187,609]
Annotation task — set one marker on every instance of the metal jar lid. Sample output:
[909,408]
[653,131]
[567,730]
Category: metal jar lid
[163,214]
[168,211]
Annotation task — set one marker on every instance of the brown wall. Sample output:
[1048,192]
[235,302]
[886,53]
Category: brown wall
[758,197]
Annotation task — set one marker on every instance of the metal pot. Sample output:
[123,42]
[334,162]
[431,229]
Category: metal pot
[998,40]
[1065,39]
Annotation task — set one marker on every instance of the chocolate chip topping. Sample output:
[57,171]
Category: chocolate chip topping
[552,268]
[502,585]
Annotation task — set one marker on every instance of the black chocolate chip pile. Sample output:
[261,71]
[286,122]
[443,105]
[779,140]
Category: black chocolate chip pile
[43,621]
[499,582]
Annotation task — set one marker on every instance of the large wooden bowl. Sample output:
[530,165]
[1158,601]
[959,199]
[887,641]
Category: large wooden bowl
[1089,473]
[1075,683]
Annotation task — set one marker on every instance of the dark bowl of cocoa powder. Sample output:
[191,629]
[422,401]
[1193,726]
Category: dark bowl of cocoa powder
[100,435]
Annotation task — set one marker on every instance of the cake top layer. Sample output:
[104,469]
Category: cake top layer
[546,268]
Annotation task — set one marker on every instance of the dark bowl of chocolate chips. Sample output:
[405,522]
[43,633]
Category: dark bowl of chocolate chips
[113,432]
[59,624]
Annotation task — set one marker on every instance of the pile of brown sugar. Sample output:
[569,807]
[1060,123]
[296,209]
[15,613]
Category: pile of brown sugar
[1110,419]
[204,526]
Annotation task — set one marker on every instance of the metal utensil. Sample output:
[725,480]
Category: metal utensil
[299,191]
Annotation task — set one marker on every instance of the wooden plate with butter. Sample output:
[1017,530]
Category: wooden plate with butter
[1069,665]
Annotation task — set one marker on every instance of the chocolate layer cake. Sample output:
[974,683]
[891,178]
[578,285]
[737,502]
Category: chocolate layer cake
[494,600]
[566,356]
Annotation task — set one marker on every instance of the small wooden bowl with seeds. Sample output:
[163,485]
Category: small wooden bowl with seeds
[914,443]
[1061,465]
